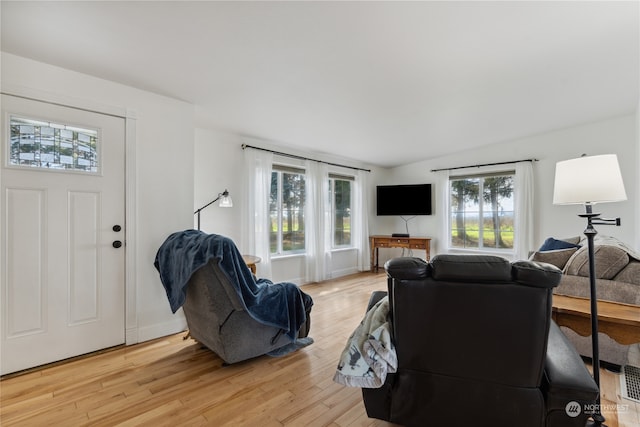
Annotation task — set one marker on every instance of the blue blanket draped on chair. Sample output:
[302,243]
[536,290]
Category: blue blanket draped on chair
[282,305]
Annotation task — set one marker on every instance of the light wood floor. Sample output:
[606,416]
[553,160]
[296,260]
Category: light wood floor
[174,382]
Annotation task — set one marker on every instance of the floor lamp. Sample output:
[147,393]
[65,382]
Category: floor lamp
[588,180]
[225,202]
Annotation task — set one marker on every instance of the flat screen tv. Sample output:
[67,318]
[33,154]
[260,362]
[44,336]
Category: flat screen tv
[403,200]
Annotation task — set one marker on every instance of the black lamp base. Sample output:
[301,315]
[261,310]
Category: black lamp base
[596,421]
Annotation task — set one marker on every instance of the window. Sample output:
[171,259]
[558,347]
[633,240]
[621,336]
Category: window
[45,145]
[286,210]
[340,200]
[482,211]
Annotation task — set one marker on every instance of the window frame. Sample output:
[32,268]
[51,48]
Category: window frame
[281,169]
[481,211]
[333,177]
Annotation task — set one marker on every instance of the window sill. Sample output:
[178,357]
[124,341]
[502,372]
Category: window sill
[345,249]
[287,256]
[499,252]
[303,254]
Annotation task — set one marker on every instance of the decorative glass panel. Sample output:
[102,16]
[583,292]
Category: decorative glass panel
[46,145]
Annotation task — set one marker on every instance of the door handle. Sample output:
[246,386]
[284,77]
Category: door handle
[116,244]
[116,228]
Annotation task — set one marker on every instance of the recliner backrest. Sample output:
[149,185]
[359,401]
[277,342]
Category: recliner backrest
[478,317]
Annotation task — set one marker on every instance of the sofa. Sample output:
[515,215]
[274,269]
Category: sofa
[476,346]
[617,280]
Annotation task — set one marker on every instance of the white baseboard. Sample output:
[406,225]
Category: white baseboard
[151,332]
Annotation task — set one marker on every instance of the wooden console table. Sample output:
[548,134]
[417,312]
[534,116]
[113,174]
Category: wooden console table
[376,242]
[619,321]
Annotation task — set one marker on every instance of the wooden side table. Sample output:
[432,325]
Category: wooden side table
[381,241]
[251,261]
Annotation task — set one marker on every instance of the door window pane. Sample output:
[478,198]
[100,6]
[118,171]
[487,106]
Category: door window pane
[53,146]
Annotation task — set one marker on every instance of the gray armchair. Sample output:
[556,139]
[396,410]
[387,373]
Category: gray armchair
[227,308]
[217,318]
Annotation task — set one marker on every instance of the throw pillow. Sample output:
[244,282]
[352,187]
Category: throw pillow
[558,257]
[609,260]
[552,244]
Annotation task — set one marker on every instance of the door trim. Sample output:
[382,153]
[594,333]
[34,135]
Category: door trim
[130,118]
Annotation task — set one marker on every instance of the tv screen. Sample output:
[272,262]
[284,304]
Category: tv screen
[404,200]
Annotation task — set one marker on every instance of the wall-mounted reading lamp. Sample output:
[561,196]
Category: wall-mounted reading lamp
[225,202]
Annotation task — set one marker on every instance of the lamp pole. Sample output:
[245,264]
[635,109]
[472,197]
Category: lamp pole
[590,233]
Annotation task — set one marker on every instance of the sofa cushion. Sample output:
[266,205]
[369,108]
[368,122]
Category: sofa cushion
[552,244]
[558,257]
[609,260]
[630,273]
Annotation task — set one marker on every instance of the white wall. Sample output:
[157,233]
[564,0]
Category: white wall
[617,135]
[161,145]
[219,165]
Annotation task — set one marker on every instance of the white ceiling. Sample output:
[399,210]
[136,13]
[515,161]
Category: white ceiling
[385,83]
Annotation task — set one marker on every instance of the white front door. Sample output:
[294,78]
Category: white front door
[62,212]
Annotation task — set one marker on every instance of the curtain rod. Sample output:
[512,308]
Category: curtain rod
[303,158]
[484,164]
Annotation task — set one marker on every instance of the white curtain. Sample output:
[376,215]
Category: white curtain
[442,210]
[255,239]
[523,222]
[360,221]
[317,217]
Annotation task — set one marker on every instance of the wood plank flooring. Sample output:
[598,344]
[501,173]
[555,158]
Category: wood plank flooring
[171,381]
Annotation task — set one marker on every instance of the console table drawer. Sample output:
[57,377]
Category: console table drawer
[401,242]
[383,243]
[386,241]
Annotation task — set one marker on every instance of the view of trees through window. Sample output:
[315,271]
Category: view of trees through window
[286,210]
[482,211]
[341,209]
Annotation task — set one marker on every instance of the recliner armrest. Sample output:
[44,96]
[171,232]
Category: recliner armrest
[537,274]
[565,372]
[567,384]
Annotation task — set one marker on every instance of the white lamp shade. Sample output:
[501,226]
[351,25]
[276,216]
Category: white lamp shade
[225,202]
[588,180]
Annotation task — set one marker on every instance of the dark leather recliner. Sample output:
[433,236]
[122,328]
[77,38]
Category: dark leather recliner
[476,346]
